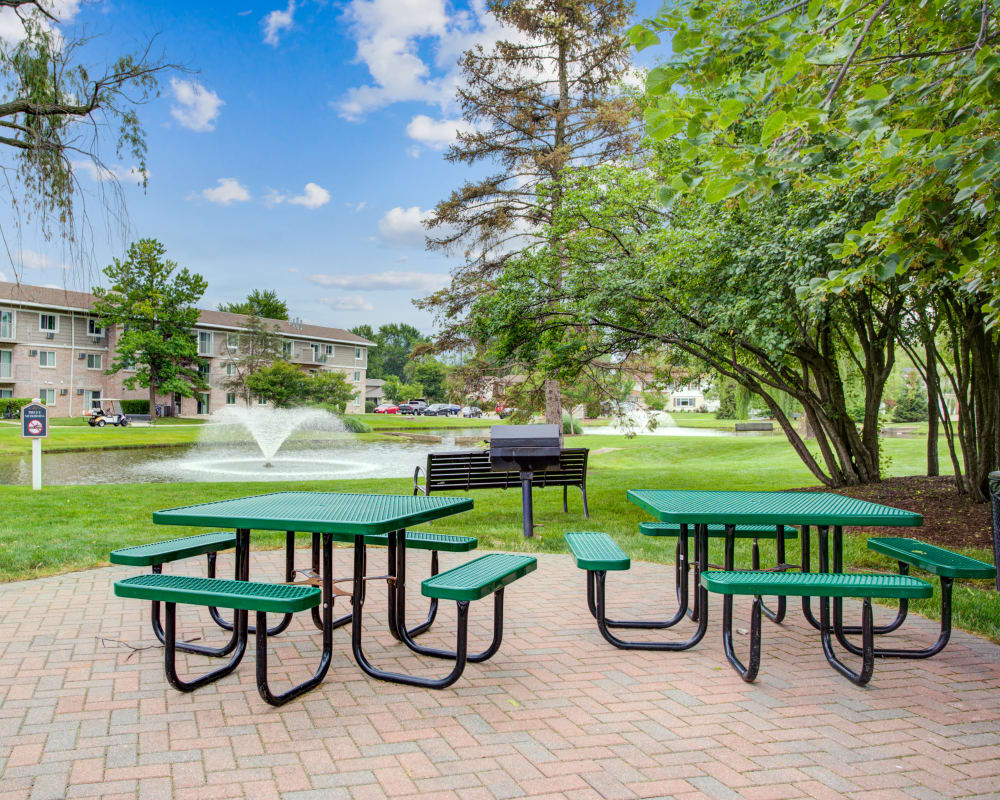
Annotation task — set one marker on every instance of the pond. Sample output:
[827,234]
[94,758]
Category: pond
[338,456]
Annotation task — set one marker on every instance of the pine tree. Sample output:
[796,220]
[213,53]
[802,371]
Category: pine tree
[547,100]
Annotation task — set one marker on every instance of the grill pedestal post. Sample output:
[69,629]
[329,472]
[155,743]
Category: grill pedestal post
[527,510]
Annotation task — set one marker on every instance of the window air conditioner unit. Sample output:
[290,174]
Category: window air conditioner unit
[79,392]
[32,353]
[63,392]
[81,356]
[97,338]
[50,335]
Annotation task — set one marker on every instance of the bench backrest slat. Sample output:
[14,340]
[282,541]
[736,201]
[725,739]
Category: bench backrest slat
[471,470]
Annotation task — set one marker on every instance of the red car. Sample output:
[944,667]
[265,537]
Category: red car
[387,408]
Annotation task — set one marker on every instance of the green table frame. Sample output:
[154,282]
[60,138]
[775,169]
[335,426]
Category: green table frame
[333,516]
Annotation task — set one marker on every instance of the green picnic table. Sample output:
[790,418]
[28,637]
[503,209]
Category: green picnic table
[333,516]
[824,510]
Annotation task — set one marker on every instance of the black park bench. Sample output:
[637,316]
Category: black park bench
[468,470]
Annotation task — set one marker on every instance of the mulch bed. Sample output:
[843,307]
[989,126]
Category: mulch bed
[950,520]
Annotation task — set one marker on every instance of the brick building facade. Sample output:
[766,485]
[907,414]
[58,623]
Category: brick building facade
[52,347]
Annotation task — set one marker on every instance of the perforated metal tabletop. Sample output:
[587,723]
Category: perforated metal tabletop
[772,508]
[345,515]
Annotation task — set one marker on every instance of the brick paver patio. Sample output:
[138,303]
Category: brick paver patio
[557,713]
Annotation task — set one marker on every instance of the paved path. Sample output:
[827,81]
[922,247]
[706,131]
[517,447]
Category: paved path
[557,713]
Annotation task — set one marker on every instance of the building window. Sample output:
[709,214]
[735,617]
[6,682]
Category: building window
[261,401]
[233,341]
[286,350]
[47,396]
[47,359]
[204,343]
[329,349]
[92,398]
[230,368]
[203,407]
[683,402]
[5,361]
[93,329]
[317,354]
[357,375]
[6,324]
[95,361]
[6,393]
[357,353]
[230,399]
[128,366]
[48,323]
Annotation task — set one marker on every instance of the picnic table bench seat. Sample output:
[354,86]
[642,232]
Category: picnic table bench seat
[946,564]
[597,551]
[243,596]
[488,574]
[472,469]
[422,540]
[156,554]
[824,585]
[147,555]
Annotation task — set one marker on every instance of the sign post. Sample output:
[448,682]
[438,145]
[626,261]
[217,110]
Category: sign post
[35,426]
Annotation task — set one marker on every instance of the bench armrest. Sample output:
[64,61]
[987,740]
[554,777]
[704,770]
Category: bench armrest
[417,489]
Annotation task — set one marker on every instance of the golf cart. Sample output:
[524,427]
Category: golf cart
[106,412]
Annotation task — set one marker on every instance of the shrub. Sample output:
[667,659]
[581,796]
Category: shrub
[135,406]
[911,404]
[727,402]
[655,400]
[593,409]
[13,403]
[355,425]
[369,406]
[570,425]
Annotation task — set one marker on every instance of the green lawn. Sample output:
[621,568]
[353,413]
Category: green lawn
[75,527]
[83,437]
[64,422]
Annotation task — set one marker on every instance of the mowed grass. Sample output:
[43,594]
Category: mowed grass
[75,527]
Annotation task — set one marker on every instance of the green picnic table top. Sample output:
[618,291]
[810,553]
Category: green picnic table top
[772,508]
[344,515]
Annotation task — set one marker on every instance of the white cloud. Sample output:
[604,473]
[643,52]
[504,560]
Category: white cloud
[107,173]
[276,22]
[413,151]
[228,191]
[197,107]
[350,302]
[390,280]
[393,39]
[403,226]
[31,259]
[12,26]
[313,196]
[356,207]
[437,134]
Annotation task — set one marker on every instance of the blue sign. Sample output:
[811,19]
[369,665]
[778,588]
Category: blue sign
[34,421]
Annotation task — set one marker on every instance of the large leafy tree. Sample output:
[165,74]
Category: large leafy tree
[281,384]
[394,345]
[716,289]
[546,100]
[767,97]
[330,387]
[260,303]
[152,305]
[56,113]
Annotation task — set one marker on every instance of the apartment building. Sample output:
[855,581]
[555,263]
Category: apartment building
[52,347]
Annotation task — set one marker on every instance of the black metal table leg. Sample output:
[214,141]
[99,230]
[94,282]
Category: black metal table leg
[289,576]
[867,649]
[326,657]
[187,647]
[170,647]
[461,647]
[748,672]
[317,619]
[702,593]
[397,587]
[807,611]
[779,615]
[681,591]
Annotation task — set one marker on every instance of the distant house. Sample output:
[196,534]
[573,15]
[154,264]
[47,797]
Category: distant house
[374,391]
[53,347]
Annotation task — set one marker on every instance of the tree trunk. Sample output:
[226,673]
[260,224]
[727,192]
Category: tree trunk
[152,403]
[553,402]
[933,405]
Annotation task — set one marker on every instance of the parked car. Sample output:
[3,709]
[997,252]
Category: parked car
[505,411]
[454,410]
[387,408]
[437,410]
[472,411]
[413,407]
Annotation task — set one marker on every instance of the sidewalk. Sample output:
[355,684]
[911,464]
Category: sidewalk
[556,713]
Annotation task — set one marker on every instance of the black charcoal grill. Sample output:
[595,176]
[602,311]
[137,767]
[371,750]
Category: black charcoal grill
[528,449]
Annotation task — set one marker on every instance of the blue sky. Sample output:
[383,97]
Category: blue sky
[299,153]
